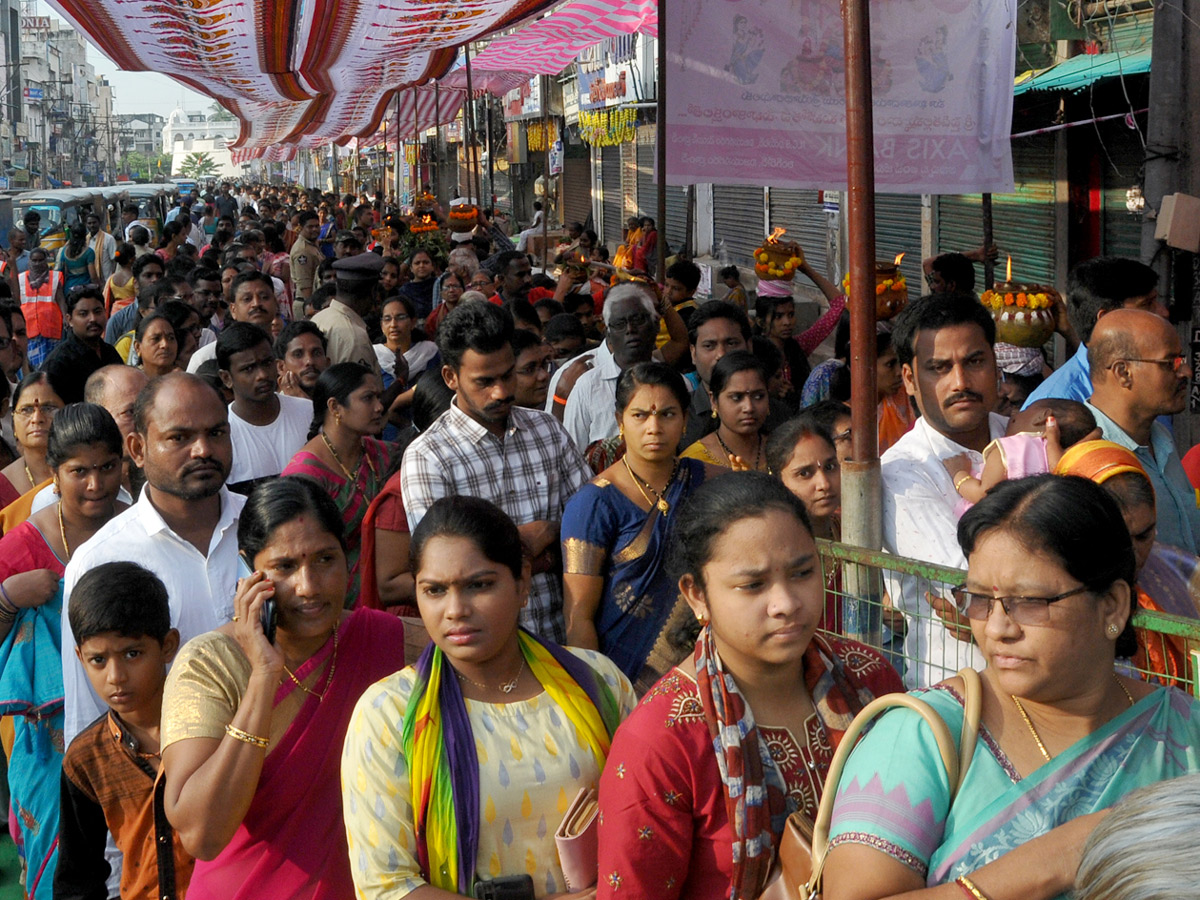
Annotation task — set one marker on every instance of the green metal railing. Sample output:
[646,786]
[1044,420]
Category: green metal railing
[867,576]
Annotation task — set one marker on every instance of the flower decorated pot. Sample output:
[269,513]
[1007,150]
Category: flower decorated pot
[891,290]
[777,260]
[463,218]
[1023,314]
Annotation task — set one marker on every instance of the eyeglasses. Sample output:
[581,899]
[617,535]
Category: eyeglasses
[1022,610]
[1175,362]
[629,323]
[28,412]
[546,365]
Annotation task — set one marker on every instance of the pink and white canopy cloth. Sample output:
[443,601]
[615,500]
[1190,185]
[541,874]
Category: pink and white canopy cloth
[298,72]
[433,107]
[548,46]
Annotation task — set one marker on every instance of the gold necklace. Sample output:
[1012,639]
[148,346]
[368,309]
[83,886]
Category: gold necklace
[28,474]
[729,453]
[341,465]
[1029,724]
[62,532]
[328,677]
[642,485]
[507,688]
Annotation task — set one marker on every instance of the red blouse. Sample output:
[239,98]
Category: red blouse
[664,830]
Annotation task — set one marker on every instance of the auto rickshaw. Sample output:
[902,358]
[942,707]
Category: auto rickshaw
[152,207]
[60,211]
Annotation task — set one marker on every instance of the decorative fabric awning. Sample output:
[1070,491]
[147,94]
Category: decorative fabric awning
[297,72]
[433,107]
[548,46]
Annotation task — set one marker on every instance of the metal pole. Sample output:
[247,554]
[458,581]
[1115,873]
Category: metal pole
[861,523]
[473,149]
[660,128]
[487,99]
[989,264]
[397,153]
[545,170]
[437,139]
[416,144]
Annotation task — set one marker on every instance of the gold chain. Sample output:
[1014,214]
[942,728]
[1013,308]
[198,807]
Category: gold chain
[328,678]
[341,465]
[62,532]
[639,481]
[28,474]
[507,688]
[1029,724]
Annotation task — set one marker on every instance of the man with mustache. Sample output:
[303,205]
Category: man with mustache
[83,351]
[301,357]
[183,528]
[944,343]
[1139,371]
[485,446]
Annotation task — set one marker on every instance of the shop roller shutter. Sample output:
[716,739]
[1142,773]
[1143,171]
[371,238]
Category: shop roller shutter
[1022,222]
[647,199]
[738,220]
[610,176]
[898,230]
[807,223]
[577,190]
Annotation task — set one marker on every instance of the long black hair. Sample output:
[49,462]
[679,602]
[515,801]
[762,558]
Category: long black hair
[479,521]
[1070,519]
[337,382]
[716,506]
[280,501]
[80,425]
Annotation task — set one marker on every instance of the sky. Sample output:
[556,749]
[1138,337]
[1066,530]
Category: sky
[140,92]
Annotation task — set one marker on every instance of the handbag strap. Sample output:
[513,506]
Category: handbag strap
[957,760]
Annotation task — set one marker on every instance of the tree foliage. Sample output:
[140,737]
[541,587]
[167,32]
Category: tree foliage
[198,165]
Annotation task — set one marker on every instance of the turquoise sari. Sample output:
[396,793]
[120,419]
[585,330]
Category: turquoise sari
[894,795]
[31,690]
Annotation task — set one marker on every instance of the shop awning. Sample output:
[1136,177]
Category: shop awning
[1079,72]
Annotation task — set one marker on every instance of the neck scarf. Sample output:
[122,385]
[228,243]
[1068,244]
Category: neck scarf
[755,792]
[443,765]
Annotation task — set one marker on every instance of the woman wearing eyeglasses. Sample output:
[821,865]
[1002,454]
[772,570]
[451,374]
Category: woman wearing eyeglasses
[34,404]
[1049,598]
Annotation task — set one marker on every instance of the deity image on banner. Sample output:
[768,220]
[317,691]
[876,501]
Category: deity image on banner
[748,48]
[931,61]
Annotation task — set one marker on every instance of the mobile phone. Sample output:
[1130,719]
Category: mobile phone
[270,615]
[510,887]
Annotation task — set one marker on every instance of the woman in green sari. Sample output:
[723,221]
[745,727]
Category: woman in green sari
[1063,736]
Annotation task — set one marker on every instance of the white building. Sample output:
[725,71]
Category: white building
[195,132]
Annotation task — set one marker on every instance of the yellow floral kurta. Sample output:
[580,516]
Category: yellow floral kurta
[532,764]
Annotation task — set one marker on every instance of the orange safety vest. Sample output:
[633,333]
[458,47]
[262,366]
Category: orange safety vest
[43,316]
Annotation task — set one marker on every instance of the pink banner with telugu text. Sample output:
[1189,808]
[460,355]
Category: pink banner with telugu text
[756,94]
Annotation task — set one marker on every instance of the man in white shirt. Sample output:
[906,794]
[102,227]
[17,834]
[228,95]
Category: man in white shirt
[266,428]
[944,343]
[103,244]
[183,528]
[631,322]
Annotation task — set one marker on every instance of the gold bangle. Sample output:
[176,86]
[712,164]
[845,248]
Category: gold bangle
[963,476]
[246,737]
[969,886]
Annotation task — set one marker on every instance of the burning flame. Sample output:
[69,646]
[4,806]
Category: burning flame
[777,233]
[896,261]
[426,220]
[1008,271]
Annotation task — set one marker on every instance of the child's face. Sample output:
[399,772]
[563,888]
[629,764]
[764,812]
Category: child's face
[128,672]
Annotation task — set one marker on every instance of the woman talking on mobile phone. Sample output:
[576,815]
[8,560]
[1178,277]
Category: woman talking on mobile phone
[252,730]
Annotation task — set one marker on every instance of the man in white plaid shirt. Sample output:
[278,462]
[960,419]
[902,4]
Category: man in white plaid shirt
[485,446]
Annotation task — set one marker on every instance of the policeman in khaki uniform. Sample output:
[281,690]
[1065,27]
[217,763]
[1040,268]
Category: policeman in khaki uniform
[342,320]
[305,256]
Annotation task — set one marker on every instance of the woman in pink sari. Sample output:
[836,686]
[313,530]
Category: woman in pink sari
[252,728]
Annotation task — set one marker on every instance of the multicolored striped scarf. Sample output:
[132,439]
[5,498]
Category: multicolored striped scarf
[443,765]
[755,792]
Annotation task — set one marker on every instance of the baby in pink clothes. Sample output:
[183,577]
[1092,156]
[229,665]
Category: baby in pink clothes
[1032,445]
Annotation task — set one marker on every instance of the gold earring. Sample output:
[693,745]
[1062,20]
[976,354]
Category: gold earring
[702,618]
[1114,630]
[714,412]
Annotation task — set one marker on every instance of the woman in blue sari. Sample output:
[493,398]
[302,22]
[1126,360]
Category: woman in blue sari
[84,453]
[618,597]
[1063,737]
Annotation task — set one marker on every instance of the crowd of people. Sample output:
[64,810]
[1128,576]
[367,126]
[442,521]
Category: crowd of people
[340,559]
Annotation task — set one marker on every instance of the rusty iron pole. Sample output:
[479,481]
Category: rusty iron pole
[660,128]
[989,264]
[861,492]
